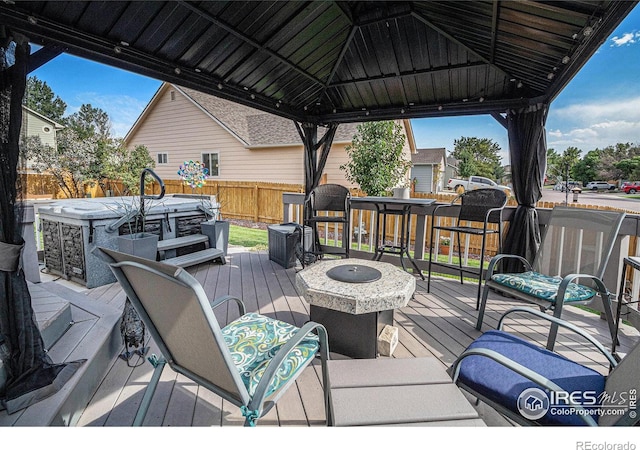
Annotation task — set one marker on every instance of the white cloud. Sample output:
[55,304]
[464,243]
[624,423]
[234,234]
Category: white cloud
[625,39]
[595,124]
[554,133]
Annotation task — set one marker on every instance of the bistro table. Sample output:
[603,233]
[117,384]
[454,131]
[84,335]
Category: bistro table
[390,206]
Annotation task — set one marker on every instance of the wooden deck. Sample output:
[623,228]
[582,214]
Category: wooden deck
[440,323]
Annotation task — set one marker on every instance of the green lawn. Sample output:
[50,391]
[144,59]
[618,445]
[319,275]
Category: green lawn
[248,237]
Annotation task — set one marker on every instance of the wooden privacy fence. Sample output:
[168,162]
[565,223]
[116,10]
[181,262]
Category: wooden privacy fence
[245,200]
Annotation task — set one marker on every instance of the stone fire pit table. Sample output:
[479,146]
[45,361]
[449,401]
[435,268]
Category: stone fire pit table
[354,312]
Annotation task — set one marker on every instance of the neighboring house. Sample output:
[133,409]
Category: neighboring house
[428,169]
[235,142]
[35,124]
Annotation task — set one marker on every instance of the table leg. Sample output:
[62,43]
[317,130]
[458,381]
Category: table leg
[405,245]
[377,250]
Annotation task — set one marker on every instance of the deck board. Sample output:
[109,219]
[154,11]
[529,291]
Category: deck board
[440,323]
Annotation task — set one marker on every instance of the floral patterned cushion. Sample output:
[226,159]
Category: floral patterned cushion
[254,340]
[543,286]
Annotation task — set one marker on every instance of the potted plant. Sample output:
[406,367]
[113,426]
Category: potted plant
[445,243]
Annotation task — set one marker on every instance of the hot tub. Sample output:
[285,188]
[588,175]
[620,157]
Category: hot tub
[72,228]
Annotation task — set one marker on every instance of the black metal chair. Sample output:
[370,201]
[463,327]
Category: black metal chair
[329,204]
[483,206]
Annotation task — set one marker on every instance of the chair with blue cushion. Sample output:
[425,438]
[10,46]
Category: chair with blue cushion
[567,269]
[517,377]
[250,362]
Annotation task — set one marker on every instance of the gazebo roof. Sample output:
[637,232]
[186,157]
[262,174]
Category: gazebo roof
[327,61]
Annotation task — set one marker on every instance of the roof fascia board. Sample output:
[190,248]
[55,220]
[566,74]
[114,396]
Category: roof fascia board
[408,129]
[145,112]
[45,118]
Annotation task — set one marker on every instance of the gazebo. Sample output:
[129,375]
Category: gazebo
[318,63]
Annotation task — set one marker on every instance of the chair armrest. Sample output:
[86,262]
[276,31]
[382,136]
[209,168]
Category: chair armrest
[488,213]
[499,257]
[519,369]
[562,323]
[225,298]
[261,390]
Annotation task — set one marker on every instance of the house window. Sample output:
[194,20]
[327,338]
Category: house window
[162,158]
[46,129]
[172,95]
[211,162]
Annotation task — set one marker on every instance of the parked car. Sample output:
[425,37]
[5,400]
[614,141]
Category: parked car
[475,182]
[600,186]
[630,187]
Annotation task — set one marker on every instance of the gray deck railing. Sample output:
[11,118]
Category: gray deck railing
[362,238]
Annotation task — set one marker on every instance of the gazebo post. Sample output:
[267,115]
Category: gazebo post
[314,164]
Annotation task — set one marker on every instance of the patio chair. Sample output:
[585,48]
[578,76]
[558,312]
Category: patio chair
[480,206]
[567,268]
[250,362]
[535,386]
[325,199]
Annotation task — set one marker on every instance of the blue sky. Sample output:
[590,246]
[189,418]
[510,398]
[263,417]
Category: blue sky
[599,107]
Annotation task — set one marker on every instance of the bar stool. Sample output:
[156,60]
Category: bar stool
[478,206]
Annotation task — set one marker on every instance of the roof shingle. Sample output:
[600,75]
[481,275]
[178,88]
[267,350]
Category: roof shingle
[256,128]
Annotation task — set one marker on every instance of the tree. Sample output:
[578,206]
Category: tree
[629,168]
[376,157]
[41,98]
[90,121]
[612,155]
[70,164]
[477,156]
[127,165]
[586,169]
[554,167]
[569,159]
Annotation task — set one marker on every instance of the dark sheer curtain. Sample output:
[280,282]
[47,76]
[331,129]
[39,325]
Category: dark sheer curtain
[528,153]
[30,373]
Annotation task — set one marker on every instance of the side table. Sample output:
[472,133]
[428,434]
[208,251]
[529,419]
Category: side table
[634,263]
[354,313]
